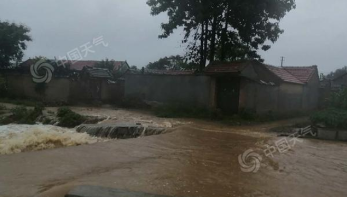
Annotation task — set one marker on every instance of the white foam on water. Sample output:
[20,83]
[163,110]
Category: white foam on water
[20,138]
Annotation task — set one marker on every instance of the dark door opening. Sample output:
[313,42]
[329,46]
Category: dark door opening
[228,93]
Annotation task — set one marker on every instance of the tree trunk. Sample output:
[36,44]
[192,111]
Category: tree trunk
[224,36]
[206,42]
[202,66]
[213,39]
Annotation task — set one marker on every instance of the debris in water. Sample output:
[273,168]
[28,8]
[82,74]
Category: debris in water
[121,131]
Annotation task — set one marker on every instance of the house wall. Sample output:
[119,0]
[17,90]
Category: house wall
[257,97]
[21,85]
[112,93]
[188,90]
[260,98]
[65,90]
[311,93]
[290,97]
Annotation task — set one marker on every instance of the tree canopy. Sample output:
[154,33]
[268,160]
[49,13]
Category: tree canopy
[337,73]
[13,38]
[172,63]
[223,29]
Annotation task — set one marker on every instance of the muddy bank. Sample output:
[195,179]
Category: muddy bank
[192,161]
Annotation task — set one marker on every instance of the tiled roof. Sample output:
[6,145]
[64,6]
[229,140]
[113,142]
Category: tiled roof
[168,72]
[99,73]
[79,65]
[76,65]
[304,74]
[228,67]
[162,72]
[298,75]
[284,74]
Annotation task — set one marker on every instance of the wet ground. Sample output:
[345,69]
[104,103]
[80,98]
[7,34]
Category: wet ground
[195,160]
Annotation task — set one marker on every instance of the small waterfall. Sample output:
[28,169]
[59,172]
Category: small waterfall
[119,131]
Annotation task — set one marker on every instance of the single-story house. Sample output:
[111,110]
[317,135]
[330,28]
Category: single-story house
[231,87]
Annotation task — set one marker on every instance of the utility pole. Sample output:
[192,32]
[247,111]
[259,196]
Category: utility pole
[282,61]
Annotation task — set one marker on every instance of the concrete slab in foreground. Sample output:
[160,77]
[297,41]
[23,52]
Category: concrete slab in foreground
[96,191]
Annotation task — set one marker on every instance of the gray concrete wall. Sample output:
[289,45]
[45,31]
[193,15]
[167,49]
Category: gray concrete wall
[312,93]
[22,85]
[257,97]
[290,97]
[64,90]
[188,90]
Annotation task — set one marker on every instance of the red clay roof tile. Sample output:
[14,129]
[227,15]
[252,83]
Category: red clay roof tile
[304,74]
[230,67]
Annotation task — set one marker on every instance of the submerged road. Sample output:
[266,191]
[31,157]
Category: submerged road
[198,160]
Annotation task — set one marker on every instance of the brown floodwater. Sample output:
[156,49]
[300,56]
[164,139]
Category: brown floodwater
[196,160]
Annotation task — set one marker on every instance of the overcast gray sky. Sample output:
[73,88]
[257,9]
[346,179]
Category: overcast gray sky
[314,32]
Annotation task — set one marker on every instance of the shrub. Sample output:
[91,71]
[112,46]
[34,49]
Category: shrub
[68,118]
[339,99]
[62,111]
[22,115]
[334,118]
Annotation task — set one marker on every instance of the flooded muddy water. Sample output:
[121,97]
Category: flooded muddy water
[21,138]
[196,160]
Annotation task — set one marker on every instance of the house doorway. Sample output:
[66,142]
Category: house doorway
[228,93]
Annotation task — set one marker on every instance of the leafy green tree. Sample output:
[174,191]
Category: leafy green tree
[133,67]
[337,73]
[13,38]
[172,63]
[223,29]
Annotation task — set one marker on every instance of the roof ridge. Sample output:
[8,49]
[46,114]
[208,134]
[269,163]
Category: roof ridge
[286,71]
[313,66]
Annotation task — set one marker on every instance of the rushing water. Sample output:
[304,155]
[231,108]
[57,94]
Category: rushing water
[192,161]
[21,138]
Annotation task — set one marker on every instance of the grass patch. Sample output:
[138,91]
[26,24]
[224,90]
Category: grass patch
[68,118]
[22,115]
[333,118]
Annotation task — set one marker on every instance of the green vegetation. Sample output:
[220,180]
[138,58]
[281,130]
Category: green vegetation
[13,38]
[68,118]
[223,30]
[172,63]
[22,115]
[333,118]
[336,115]
[338,100]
